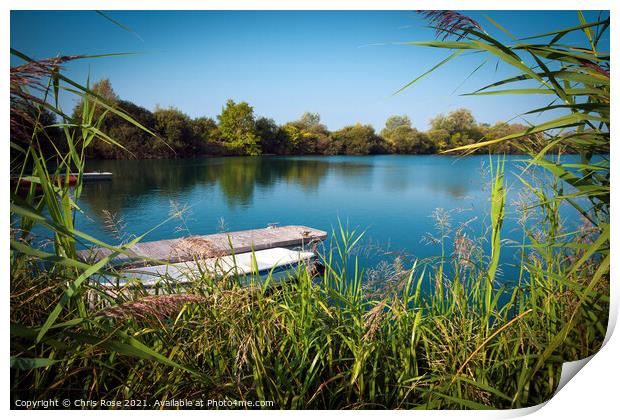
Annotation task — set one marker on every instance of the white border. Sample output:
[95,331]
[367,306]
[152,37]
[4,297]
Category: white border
[591,394]
[311,5]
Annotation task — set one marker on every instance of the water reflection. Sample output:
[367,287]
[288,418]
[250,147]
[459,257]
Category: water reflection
[389,197]
[236,177]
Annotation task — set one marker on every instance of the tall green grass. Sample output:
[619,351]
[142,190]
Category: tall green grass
[314,343]
[576,120]
[437,339]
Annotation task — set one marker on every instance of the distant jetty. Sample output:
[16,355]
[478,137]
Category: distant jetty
[25,181]
[95,176]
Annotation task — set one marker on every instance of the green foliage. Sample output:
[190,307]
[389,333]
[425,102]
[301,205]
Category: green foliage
[304,136]
[502,129]
[237,132]
[29,117]
[272,139]
[440,138]
[394,122]
[307,135]
[358,139]
[310,121]
[137,142]
[404,139]
[411,141]
[460,126]
[175,127]
[206,135]
[103,88]
[178,135]
[577,78]
[458,121]
[237,128]
[295,139]
[312,342]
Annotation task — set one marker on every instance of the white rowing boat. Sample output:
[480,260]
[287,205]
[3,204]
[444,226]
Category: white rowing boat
[280,263]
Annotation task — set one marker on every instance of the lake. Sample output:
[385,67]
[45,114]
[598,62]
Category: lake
[391,198]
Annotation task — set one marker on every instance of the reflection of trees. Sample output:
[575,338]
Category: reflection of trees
[355,173]
[134,179]
[237,177]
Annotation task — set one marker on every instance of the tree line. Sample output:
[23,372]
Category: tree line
[237,131]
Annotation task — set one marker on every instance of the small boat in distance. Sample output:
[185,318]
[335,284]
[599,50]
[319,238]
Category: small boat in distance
[279,263]
[95,176]
[24,182]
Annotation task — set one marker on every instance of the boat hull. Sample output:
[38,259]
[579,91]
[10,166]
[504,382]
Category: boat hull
[275,264]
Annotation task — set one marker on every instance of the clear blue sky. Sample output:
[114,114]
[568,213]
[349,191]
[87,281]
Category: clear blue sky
[342,64]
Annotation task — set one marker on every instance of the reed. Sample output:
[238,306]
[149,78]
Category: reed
[308,344]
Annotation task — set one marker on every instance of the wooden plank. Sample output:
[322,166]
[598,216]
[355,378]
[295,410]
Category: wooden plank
[207,246]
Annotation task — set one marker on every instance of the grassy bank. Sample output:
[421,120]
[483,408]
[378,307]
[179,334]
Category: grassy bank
[431,340]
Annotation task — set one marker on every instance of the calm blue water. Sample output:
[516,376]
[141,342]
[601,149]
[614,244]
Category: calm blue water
[392,198]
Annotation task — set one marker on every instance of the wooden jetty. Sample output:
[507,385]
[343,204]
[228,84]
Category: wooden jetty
[192,248]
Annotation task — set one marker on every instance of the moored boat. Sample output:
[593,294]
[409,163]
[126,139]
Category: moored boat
[96,176]
[72,179]
[277,263]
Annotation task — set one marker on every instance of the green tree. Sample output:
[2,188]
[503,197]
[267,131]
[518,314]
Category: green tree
[458,121]
[25,116]
[272,138]
[407,140]
[393,122]
[103,89]
[440,139]
[138,143]
[358,139]
[293,136]
[461,127]
[207,136]
[238,128]
[298,141]
[403,138]
[310,121]
[307,135]
[502,129]
[175,129]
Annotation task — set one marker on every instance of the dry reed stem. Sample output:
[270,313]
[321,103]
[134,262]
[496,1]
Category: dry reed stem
[197,247]
[29,75]
[372,320]
[449,22]
[489,338]
[159,307]
[242,356]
